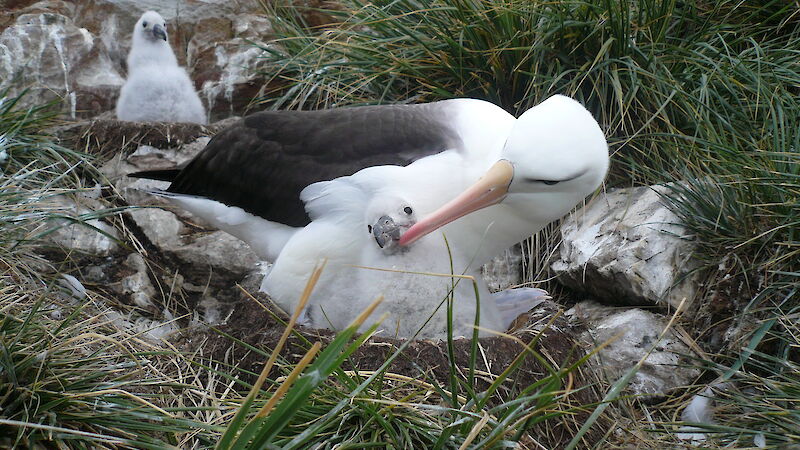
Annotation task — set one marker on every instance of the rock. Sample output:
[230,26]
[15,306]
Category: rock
[168,232]
[504,271]
[232,82]
[97,274]
[91,236]
[133,324]
[162,228]
[138,285]
[628,248]
[216,249]
[227,68]
[76,50]
[632,332]
[173,230]
[47,52]
[252,281]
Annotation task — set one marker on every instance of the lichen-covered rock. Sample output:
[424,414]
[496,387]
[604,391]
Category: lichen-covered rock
[632,332]
[90,236]
[627,247]
[173,230]
[47,53]
[137,285]
[76,50]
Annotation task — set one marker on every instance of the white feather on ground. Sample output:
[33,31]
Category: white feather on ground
[700,411]
[157,89]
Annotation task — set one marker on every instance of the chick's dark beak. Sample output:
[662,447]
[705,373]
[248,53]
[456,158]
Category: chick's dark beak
[159,32]
[385,231]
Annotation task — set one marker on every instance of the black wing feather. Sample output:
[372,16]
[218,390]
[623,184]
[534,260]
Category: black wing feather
[162,175]
[262,162]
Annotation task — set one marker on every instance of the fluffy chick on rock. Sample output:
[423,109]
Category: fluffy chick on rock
[157,89]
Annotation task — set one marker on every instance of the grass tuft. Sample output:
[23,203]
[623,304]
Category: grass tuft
[69,378]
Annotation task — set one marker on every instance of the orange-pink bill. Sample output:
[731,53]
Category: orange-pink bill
[490,189]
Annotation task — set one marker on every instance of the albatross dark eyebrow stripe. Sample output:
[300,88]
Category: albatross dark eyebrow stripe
[551,182]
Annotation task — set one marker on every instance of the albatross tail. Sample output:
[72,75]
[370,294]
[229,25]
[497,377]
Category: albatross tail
[266,238]
[160,175]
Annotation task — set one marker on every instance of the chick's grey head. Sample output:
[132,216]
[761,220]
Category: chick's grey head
[387,219]
[151,27]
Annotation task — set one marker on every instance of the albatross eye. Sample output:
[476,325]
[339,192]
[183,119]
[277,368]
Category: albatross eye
[408,210]
[369,228]
[144,24]
[547,182]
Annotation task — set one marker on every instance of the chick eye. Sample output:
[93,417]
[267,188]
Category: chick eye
[369,228]
[408,210]
[144,24]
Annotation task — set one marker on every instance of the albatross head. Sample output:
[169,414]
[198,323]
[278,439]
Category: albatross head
[151,27]
[555,155]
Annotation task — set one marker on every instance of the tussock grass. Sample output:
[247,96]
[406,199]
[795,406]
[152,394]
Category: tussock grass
[69,377]
[79,380]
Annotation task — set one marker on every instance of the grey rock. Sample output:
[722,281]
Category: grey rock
[162,228]
[138,285]
[172,229]
[216,249]
[632,332]
[91,236]
[57,59]
[628,248]
[252,281]
[96,274]
[76,50]
[153,330]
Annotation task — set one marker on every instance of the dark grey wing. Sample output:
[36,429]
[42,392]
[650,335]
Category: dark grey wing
[161,175]
[262,162]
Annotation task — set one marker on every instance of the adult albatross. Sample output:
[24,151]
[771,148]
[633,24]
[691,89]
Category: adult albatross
[416,157]
[249,178]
